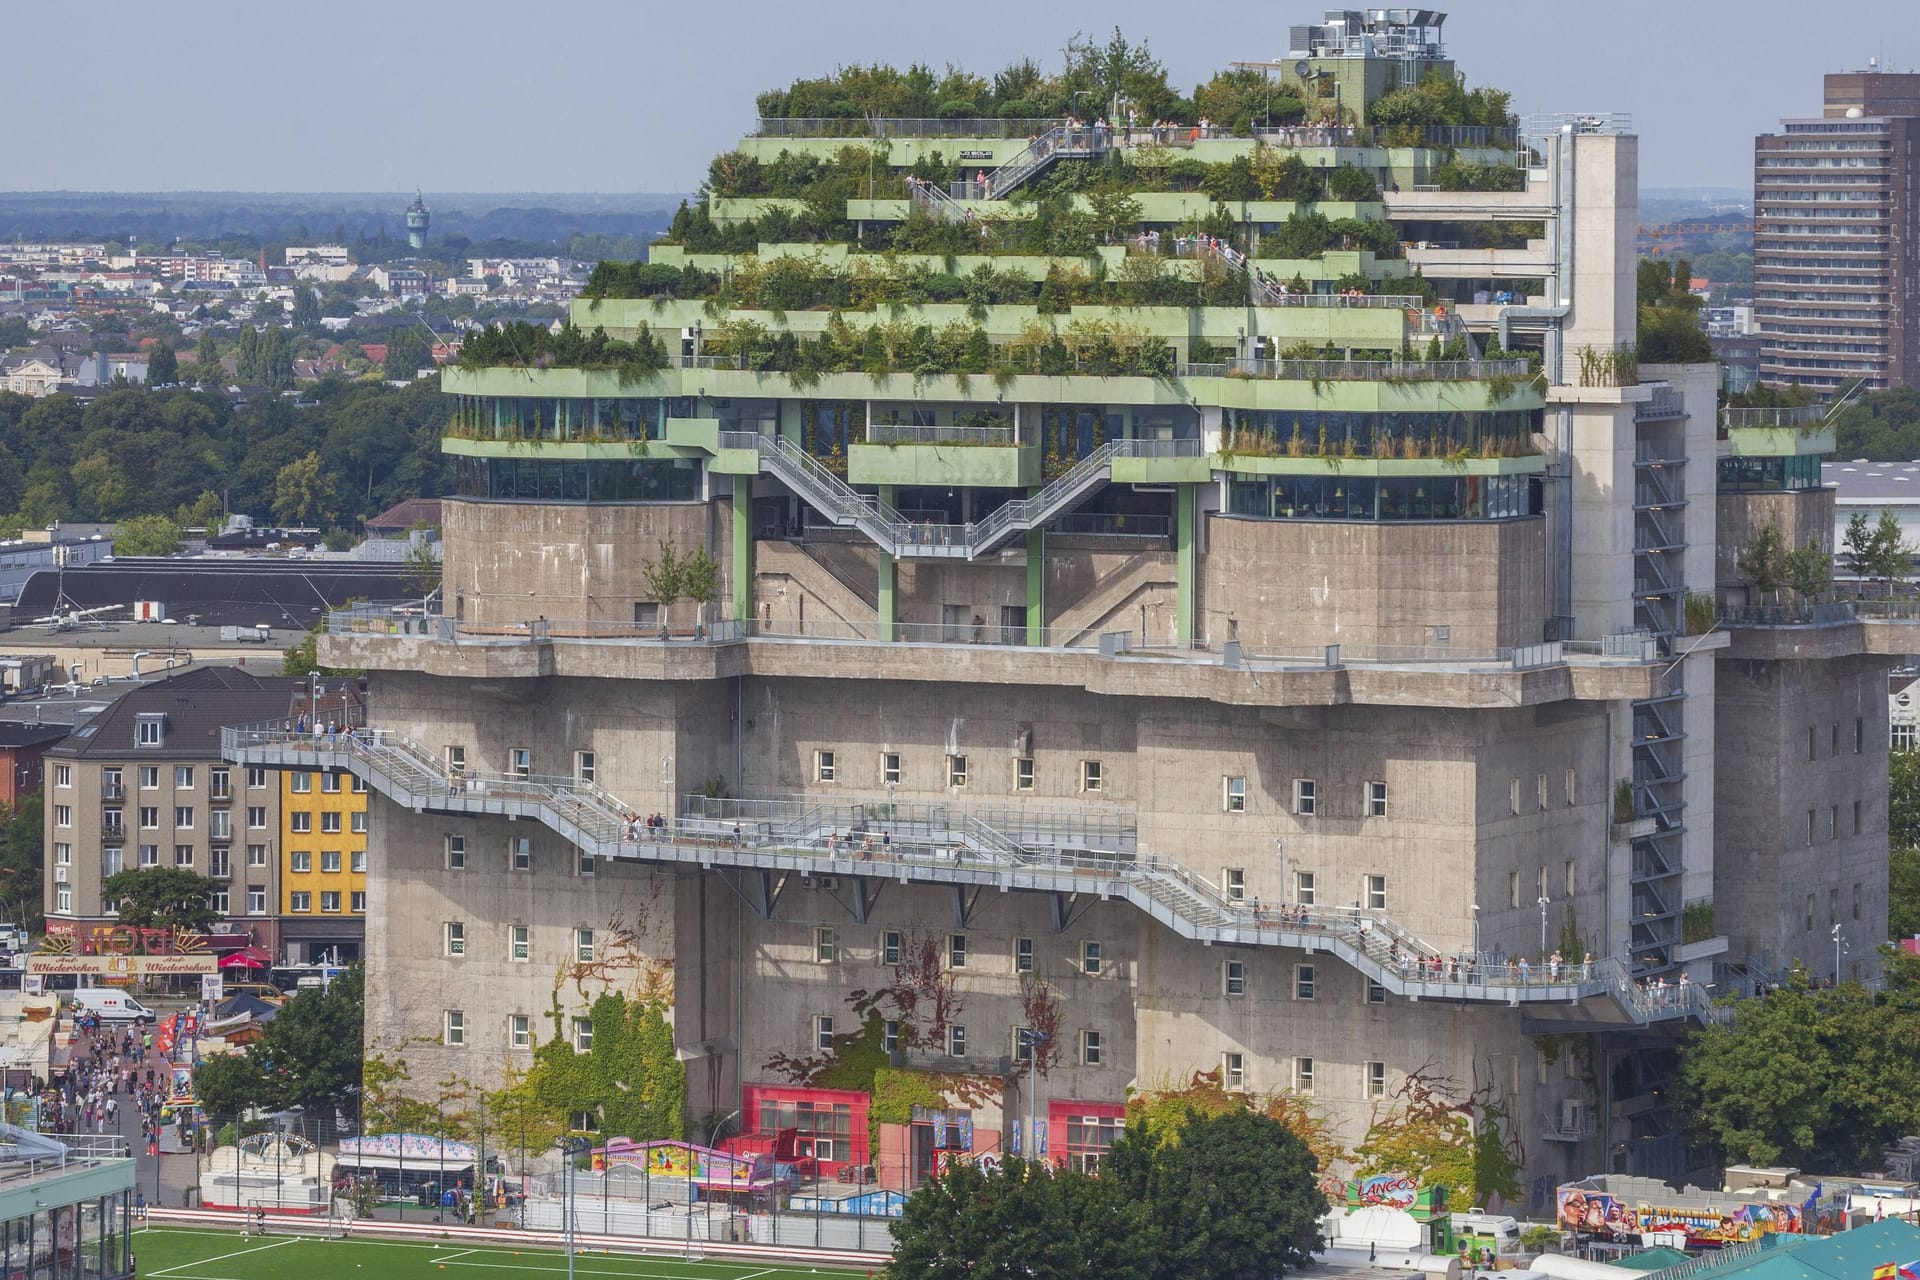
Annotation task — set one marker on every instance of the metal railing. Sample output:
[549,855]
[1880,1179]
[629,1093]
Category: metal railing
[944,846]
[1666,403]
[1360,370]
[1833,613]
[905,127]
[1109,524]
[903,433]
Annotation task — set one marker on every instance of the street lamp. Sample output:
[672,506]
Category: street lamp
[1545,902]
[571,1146]
[713,1136]
[1839,945]
[1475,908]
[1032,1039]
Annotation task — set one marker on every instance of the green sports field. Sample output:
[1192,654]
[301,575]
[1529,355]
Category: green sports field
[183,1253]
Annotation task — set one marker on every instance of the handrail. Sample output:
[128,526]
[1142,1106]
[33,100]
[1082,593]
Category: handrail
[1361,370]
[603,825]
[1265,290]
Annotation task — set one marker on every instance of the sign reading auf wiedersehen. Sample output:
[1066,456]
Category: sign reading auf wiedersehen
[123,966]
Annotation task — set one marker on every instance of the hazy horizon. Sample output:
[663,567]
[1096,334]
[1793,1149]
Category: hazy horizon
[621,99]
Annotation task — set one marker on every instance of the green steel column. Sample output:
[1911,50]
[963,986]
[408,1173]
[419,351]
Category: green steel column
[1036,580]
[743,548]
[1183,554]
[888,579]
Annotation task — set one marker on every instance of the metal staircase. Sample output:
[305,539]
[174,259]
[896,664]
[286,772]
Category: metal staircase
[1260,287]
[1082,142]
[959,850]
[893,533]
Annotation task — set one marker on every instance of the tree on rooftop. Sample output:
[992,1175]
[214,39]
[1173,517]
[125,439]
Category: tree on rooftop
[1096,75]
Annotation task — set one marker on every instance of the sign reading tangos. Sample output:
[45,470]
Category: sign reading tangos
[123,966]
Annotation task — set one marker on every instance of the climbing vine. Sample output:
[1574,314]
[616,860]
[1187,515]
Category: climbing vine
[1167,1107]
[923,999]
[1425,1129]
[630,1077]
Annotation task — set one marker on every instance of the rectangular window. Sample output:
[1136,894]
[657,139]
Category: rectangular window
[1540,791]
[1833,822]
[147,731]
[1834,745]
[1376,994]
[456,938]
[111,862]
[112,785]
[1303,888]
[300,860]
[519,942]
[520,853]
[149,777]
[1233,1070]
[1859,734]
[301,902]
[330,784]
[1856,817]
[63,775]
[1090,958]
[1091,775]
[956,1041]
[1233,977]
[359,785]
[1810,822]
[1513,888]
[149,817]
[183,817]
[456,763]
[1376,893]
[453,1029]
[1023,773]
[456,853]
[1234,798]
[183,855]
[1571,779]
[1513,796]
[359,824]
[1376,1079]
[956,771]
[357,862]
[256,778]
[330,824]
[63,898]
[586,864]
[823,946]
[823,766]
[220,783]
[889,1036]
[219,902]
[149,855]
[1233,883]
[256,899]
[583,945]
[956,951]
[1089,1048]
[357,901]
[1303,1075]
[330,861]
[890,947]
[584,767]
[823,1031]
[1809,911]
[520,763]
[300,783]
[330,901]
[520,1031]
[63,815]
[1303,982]
[1376,799]
[1303,799]
[63,854]
[1023,955]
[256,817]
[300,823]
[183,777]
[219,824]
[1810,742]
[1569,882]
[890,768]
[256,855]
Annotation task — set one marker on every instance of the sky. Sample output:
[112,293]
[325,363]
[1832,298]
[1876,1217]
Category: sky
[638,95]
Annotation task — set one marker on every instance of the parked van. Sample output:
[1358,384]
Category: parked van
[1480,1229]
[110,1005]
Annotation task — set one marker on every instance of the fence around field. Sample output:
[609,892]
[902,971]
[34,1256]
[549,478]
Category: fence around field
[709,1224]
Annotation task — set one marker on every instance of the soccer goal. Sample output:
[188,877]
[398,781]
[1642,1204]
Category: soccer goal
[340,1219]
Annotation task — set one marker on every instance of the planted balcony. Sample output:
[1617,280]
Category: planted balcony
[945,446]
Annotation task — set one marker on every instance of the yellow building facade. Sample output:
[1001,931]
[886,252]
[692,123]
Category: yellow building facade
[323,866]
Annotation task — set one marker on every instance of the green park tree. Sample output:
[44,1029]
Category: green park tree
[161,897]
[1764,560]
[163,366]
[304,491]
[146,536]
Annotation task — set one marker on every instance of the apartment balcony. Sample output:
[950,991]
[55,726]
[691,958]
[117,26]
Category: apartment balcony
[112,791]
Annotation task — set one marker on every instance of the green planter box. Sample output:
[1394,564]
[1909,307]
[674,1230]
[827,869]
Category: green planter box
[983,466]
[1249,465]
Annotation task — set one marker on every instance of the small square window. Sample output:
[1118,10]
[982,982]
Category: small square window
[1090,775]
[359,824]
[1090,958]
[149,777]
[890,947]
[956,1041]
[456,938]
[583,1035]
[519,942]
[183,817]
[1303,888]
[257,817]
[1376,799]
[256,778]
[330,784]
[300,860]
[300,823]
[583,945]
[330,901]
[956,771]
[1376,1079]
[456,853]
[256,855]
[1303,1075]
[1303,982]
[1233,977]
[823,949]
[1376,994]
[1236,795]
[357,862]
[586,864]
[520,763]
[1303,797]
[1090,1048]
[890,768]
[823,766]
[1023,773]
[330,823]
[183,855]
[520,1031]
[454,1028]
[357,901]
[300,903]
[1233,1070]
[1233,883]
[1023,955]
[956,951]
[1376,893]
[300,783]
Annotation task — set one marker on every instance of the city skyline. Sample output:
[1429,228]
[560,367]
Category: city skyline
[1699,80]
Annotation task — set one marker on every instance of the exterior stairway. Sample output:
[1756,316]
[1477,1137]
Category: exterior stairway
[948,848]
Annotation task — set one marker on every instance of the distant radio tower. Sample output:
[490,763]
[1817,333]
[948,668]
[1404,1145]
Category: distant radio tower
[418,219]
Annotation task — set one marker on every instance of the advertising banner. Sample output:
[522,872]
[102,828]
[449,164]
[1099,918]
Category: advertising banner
[115,966]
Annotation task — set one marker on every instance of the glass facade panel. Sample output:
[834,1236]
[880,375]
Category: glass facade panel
[1770,474]
[1435,497]
[572,480]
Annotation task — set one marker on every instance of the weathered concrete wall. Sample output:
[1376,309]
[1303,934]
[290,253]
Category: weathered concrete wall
[1803,515]
[1280,585]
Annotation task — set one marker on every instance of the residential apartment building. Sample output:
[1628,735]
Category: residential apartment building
[22,746]
[142,784]
[1836,244]
[1276,718]
[323,867]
